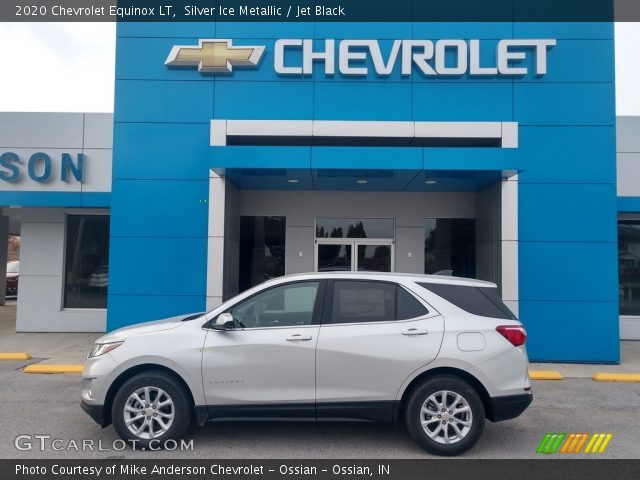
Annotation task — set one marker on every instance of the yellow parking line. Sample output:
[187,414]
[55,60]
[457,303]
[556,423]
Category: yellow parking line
[545,375]
[616,377]
[50,368]
[14,356]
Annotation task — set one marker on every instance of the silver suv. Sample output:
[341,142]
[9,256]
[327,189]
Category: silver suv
[439,354]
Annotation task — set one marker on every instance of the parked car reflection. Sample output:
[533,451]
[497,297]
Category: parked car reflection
[13,272]
[100,278]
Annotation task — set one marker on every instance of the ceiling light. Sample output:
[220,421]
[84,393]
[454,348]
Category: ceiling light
[430,182]
[362,181]
[293,180]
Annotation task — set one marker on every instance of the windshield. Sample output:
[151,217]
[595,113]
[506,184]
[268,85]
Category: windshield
[13,267]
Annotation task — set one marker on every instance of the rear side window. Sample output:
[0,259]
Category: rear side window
[483,301]
[365,301]
[408,306]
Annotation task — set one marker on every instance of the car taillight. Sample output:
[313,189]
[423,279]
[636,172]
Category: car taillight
[514,333]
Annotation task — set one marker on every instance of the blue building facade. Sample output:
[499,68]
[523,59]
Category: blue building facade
[568,298]
[553,247]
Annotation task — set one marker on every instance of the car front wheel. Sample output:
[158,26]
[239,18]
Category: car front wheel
[149,409]
[445,415]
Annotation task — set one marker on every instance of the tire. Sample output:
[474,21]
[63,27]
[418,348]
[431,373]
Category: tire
[462,429]
[170,418]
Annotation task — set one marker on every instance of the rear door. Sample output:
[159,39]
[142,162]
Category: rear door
[374,334]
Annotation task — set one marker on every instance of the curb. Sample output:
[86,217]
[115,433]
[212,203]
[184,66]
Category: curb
[545,375]
[616,377]
[15,356]
[51,368]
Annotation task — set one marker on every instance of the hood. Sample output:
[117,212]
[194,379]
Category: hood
[146,327]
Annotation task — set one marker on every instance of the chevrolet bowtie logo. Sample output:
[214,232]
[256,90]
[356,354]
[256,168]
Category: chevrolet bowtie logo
[214,56]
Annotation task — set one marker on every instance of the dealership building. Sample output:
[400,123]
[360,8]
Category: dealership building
[239,152]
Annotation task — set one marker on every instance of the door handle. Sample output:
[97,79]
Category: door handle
[297,337]
[415,331]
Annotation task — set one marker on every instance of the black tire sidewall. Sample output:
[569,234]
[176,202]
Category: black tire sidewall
[418,397]
[173,388]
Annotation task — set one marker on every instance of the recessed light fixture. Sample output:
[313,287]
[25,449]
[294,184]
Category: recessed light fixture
[430,182]
[293,180]
[362,181]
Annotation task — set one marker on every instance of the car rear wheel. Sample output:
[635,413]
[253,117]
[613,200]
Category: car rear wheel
[149,409]
[445,415]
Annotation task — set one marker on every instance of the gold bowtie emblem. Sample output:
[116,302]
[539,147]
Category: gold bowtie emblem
[214,56]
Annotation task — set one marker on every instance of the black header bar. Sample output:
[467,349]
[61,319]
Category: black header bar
[296,469]
[319,10]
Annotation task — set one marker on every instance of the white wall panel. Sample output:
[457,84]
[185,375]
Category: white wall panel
[42,246]
[629,174]
[628,134]
[97,170]
[98,130]
[41,277]
[41,130]
[40,311]
[55,134]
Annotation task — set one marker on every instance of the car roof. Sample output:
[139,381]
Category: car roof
[412,277]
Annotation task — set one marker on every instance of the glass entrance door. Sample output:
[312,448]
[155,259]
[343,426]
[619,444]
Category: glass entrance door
[358,255]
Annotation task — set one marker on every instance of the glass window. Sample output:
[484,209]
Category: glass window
[482,301]
[374,258]
[262,250]
[354,227]
[629,266]
[408,306]
[449,244]
[362,301]
[283,306]
[334,257]
[86,275]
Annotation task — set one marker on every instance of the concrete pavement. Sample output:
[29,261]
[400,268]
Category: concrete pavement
[49,405]
[47,348]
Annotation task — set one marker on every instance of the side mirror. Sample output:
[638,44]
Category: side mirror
[224,321]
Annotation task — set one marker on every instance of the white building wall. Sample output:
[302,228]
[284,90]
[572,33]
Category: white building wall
[628,156]
[495,209]
[54,134]
[409,209]
[42,230]
[628,159]
[40,307]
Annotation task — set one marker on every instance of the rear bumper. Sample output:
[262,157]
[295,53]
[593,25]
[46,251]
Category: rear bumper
[95,411]
[506,408]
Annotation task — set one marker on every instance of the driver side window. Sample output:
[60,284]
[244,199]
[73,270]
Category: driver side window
[284,306]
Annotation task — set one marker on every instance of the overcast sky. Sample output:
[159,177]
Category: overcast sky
[69,67]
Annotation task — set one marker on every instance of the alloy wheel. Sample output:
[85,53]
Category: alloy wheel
[446,417]
[149,412]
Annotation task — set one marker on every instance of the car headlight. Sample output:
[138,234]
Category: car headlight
[102,348]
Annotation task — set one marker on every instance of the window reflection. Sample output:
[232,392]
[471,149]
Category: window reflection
[354,227]
[86,276]
[262,250]
[449,244]
[629,266]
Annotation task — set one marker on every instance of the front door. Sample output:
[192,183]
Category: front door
[354,255]
[268,358]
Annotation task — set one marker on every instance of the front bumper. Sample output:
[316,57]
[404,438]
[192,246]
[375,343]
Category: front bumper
[508,407]
[96,412]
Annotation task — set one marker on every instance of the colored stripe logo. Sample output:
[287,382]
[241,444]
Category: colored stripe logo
[556,442]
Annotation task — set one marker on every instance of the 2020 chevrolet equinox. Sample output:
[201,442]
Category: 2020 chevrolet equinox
[438,353]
